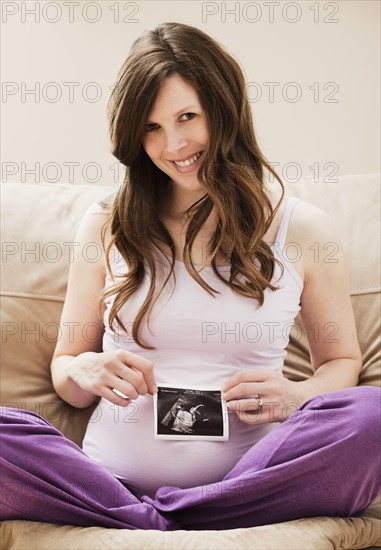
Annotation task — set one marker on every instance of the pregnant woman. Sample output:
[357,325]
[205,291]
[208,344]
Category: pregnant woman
[194,287]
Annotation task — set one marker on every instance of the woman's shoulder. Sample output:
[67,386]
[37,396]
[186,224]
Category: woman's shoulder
[304,220]
[314,232]
[96,223]
[310,228]
[309,221]
[95,220]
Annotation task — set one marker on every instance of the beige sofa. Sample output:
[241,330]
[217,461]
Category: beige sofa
[42,218]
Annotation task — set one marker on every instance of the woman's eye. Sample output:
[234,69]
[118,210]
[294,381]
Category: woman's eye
[148,129]
[193,114]
[152,126]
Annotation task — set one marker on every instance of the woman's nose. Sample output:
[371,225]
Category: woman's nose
[175,141]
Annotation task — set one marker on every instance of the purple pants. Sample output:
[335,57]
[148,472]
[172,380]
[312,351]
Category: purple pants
[324,460]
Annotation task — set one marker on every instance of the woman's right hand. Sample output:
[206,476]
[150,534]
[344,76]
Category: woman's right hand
[101,373]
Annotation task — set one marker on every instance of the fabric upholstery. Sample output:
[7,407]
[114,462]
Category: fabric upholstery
[321,533]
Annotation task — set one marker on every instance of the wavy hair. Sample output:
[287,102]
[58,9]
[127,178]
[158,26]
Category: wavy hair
[231,171]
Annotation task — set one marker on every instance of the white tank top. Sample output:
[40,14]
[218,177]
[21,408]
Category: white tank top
[200,340]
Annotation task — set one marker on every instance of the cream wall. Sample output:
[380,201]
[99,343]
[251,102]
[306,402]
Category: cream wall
[328,52]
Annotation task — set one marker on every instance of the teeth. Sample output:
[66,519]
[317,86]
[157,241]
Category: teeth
[189,161]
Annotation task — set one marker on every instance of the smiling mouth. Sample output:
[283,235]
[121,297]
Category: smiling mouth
[189,161]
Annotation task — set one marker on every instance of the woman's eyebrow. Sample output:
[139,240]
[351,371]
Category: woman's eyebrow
[181,110]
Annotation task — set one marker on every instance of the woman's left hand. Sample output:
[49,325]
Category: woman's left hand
[248,389]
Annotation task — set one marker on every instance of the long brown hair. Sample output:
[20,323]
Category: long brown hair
[231,170]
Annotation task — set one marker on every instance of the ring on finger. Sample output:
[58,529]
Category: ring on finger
[259,403]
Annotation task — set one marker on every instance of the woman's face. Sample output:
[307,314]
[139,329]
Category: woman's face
[176,130]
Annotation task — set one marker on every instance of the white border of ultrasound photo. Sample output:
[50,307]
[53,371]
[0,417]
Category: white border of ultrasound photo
[217,421]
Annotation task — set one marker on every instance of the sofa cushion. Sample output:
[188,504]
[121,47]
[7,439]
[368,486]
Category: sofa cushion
[39,223]
[321,533]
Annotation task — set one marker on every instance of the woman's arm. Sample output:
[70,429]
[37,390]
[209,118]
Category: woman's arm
[81,328]
[81,371]
[326,308]
[328,319]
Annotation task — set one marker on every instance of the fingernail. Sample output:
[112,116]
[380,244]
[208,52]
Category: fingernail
[154,389]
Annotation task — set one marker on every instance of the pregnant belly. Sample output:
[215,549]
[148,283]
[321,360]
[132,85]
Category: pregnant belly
[122,441]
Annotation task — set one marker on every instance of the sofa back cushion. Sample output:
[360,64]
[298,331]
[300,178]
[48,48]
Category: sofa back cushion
[39,223]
